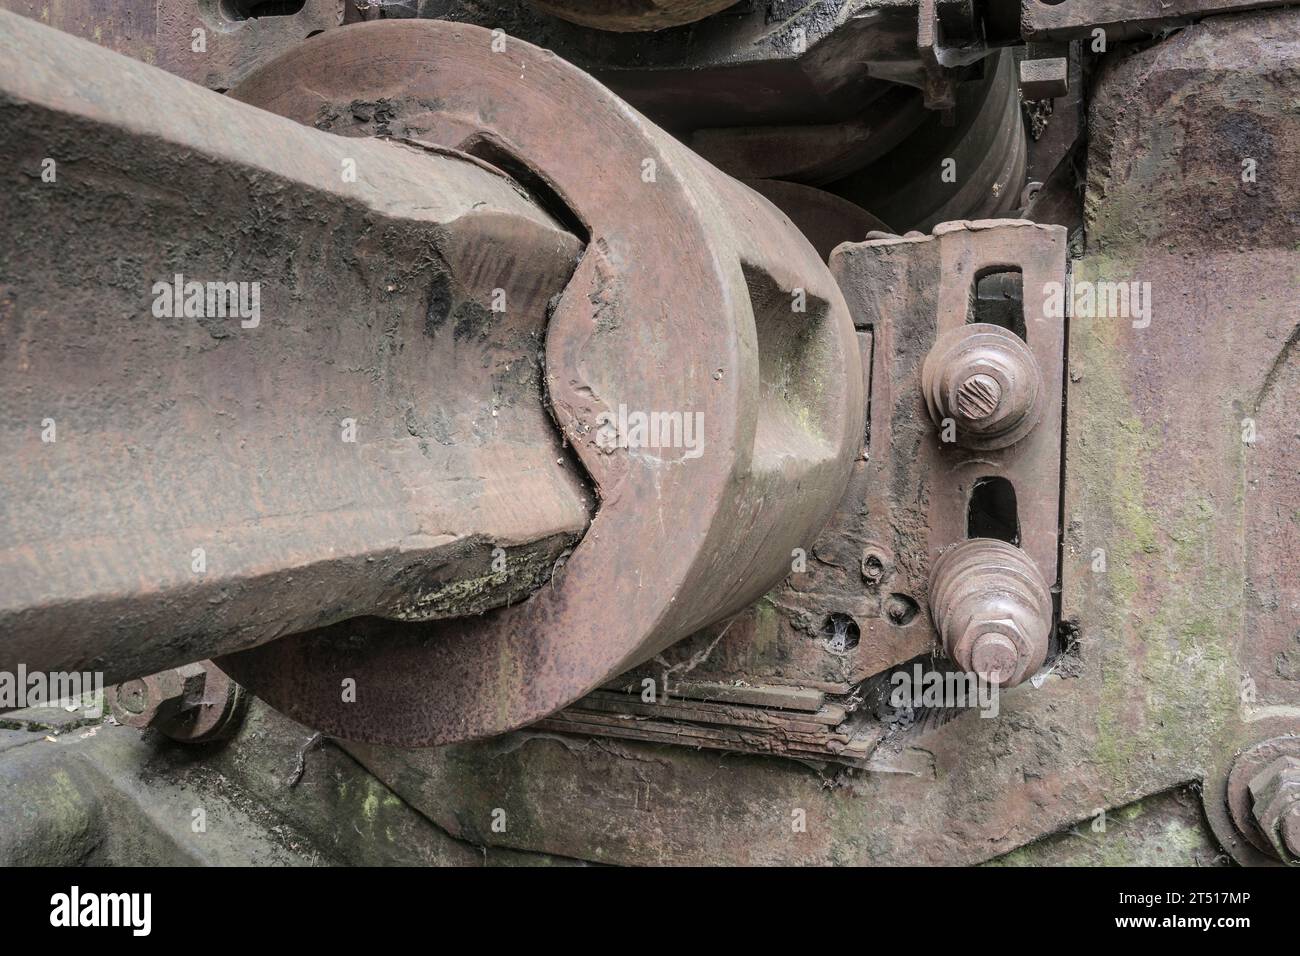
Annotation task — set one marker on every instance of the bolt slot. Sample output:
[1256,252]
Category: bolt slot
[998,298]
[238,10]
[993,512]
[841,633]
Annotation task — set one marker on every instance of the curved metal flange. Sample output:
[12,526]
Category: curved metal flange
[686,303]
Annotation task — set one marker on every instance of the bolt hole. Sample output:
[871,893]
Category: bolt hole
[999,299]
[992,512]
[901,610]
[841,633]
[873,568]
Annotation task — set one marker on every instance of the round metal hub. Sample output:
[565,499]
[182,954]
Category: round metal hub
[681,306]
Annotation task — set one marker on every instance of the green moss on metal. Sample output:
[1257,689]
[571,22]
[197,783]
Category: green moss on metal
[1160,830]
[1163,616]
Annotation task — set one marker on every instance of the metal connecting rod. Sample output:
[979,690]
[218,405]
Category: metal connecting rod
[257,378]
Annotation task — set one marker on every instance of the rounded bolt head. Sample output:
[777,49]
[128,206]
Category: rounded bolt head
[1263,798]
[1275,798]
[194,702]
[985,380]
[993,609]
[148,701]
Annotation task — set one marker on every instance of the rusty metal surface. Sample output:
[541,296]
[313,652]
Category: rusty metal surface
[982,148]
[631,16]
[936,279]
[839,79]
[822,736]
[682,303]
[1272,490]
[861,599]
[180,485]
[124,26]
[813,153]
[1179,578]
[79,792]
[1153,693]
[782,63]
[684,534]
[1067,19]
[206,41]
[232,45]
[825,219]
[1045,79]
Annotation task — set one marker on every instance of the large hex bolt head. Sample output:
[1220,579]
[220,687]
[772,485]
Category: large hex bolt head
[1263,797]
[993,610]
[987,381]
[1275,805]
[1289,830]
[194,703]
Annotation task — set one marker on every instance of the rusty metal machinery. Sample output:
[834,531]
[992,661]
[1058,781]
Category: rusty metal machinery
[631,17]
[686,296]
[620,418]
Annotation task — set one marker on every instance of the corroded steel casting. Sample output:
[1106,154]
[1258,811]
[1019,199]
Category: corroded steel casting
[389,430]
